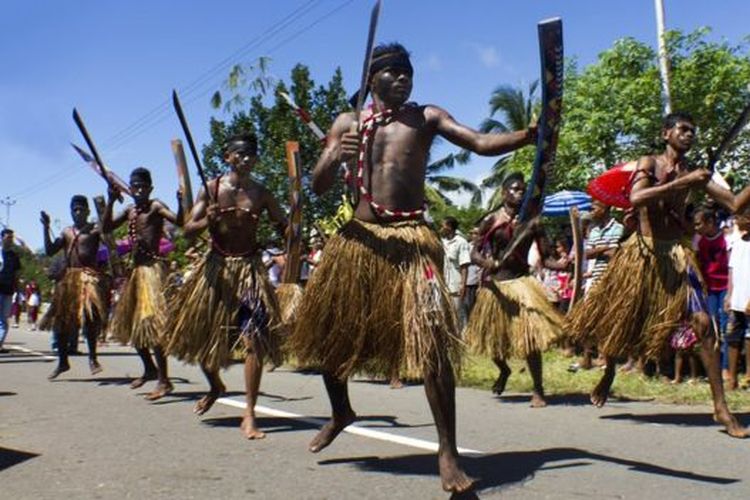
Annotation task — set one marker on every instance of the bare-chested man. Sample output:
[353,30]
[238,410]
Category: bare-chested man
[227,297]
[653,285]
[79,302]
[513,316]
[141,313]
[377,301]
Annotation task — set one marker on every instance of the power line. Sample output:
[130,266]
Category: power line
[161,112]
[8,202]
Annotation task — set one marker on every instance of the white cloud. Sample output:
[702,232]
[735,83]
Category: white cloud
[433,62]
[488,55]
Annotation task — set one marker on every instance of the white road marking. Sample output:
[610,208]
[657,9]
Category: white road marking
[29,351]
[352,429]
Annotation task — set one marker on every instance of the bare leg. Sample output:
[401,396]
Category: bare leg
[747,362]
[679,361]
[710,359]
[253,374]
[441,394]
[601,391]
[734,364]
[395,381]
[163,386]
[216,389]
[499,386]
[343,415]
[62,355]
[149,368]
[534,361]
[92,334]
[693,359]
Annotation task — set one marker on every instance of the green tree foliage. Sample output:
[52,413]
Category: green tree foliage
[612,108]
[257,106]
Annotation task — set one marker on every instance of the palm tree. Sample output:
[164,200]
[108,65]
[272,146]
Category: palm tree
[517,112]
[438,185]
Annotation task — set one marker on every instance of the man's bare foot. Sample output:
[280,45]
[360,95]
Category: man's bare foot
[159,392]
[731,385]
[537,400]
[206,402]
[95,367]
[453,478]
[499,386]
[57,371]
[396,383]
[249,429]
[329,431]
[676,380]
[138,382]
[731,424]
[601,392]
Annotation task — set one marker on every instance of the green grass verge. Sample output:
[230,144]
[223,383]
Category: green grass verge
[481,373]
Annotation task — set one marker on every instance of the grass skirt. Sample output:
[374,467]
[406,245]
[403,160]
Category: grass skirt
[377,303]
[141,313]
[223,300]
[512,318]
[639,301]
[79,300]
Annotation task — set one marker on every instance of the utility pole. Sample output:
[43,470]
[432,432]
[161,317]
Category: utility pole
[663,57]
[8,202]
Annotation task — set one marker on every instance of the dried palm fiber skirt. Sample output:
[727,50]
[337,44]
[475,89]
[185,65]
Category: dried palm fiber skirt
[377,303]
[642,297]
[79,299]
[141,313]
[224,300]
[512,318]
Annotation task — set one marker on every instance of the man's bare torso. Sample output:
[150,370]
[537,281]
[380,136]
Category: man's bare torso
[396,162]
[81,246]
[240,208]
[664,218]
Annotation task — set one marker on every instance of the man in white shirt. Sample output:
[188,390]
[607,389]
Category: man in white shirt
[737,301]
[456,264]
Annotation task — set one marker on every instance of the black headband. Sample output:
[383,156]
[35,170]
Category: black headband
[382,61]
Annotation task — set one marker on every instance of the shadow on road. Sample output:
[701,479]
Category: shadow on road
[9,458]
[282,399]
[35,359]
[5,393]
[99,380]
[684,419]
[181,397]
[504,469]
[269,425]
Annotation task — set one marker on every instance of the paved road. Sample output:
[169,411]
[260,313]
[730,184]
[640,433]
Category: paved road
[93,437]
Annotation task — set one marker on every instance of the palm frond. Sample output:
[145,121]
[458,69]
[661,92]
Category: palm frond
[449,161]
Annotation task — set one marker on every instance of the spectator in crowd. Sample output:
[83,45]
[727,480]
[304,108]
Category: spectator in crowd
[33,301]
[737,301]
[713,257]
[455,266]
[10,265]
[473,276]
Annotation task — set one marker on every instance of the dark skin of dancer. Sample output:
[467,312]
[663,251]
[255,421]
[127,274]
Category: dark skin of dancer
[396,179]
[149,227]
[514,266]
[81,243]
[660,194]
[233,221]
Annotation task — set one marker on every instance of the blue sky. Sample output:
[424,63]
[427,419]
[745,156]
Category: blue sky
[117,62]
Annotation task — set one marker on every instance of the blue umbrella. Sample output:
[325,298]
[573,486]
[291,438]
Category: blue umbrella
[559,204]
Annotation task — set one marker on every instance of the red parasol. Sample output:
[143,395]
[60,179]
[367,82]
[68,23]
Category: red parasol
[613,186]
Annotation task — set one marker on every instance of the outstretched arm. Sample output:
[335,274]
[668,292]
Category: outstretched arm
[50,247]
[643,193]
[341,145]
[480,143]
[728,200]
[110,223]
[276,214]
[202,214]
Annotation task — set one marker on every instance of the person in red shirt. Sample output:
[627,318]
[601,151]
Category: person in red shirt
[713,256]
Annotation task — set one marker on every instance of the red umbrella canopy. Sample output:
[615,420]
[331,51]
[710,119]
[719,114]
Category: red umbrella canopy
[613,186]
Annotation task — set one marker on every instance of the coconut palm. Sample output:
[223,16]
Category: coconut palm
[438,185]
[516,112]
